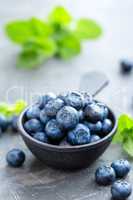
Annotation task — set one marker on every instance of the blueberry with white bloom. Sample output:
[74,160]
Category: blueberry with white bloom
[53,130]
[121,167]
[94,127]
[43,100]
[67,117]
[53,106]
[78,136]
[94,138]
[33,112]
[74,99]
[33,125]
[41,136]
[121,190]
[43,117]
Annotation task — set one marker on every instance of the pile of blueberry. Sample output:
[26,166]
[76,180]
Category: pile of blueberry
[71,118]
[6,123]
[106,175]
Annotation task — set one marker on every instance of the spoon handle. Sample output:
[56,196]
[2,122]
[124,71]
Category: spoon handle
[93,82]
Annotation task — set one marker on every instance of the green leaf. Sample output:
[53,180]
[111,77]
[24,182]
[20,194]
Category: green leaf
[22,30]
[19,106]
[29,59]
[19,31]
[68,46]
[128,146]
[44,46]
[40,28]
[60,15]
[88,29]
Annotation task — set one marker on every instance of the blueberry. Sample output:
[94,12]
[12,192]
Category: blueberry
[15,157]
[94,138]
[74,99]
[121,190]
[14,123]
[126,66]
[87,98]
[33,112]
[3,123]
[105,175]
[105,108]
[41,136]
[33,125]
[107,126]
[67,117]
[79,135]
[62,96]
[43,100]
[53,106]
[94,113]
[53,131]
[81,115]
[43,117]
[121,167]
[94,128]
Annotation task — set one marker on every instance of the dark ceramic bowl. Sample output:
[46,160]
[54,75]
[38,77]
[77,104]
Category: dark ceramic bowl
[67,157]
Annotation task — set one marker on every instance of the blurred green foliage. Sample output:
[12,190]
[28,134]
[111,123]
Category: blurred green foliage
[59,35]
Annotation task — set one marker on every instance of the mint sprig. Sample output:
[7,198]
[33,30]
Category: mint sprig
[124,134]
[59,35]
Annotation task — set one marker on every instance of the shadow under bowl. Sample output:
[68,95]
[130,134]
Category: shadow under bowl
[67,157]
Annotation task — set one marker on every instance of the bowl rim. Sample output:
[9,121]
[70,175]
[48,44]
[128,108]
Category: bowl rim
[62,148]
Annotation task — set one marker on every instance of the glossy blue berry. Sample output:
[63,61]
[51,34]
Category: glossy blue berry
[74,99]
[94,127]
[81,115]
[94,113]
[15,157]
[105,109]
[126,66]
[33,125]
[94,138]
[121,190]
[3,123]
[87,98]
[53,106]
[121,167]
[14,123]
[107,126]
[33,112]
[53,130]
[105,175]
[67,117]
[78,136]
[43,117]
[43,100]
[41,136]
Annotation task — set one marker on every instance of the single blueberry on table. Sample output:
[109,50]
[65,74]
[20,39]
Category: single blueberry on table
[126,66]
[14,123]
[107,126]
[94,138]
[74,99]
[33,112]
[105,175]
[15,157]
[79,135]
[53,106]
[121,190]
[94,127]
[3,123]
[41,136]
[53,130]
[67,117]
[43,117]
[121,167]
[33,125]
[94,113]
[43,100]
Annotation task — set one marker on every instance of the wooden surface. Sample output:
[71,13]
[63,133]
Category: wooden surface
[35,181]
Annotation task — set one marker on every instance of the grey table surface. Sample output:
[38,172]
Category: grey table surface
[34,180]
